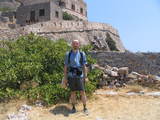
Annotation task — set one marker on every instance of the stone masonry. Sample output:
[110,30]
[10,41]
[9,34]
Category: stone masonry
[86,32]
[33,11]
[143,63]
[44,17]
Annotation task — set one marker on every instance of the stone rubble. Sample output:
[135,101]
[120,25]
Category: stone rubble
[120,77]
[39,103]
[143,63]
[22,113]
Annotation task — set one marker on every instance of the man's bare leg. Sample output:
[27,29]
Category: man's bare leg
[73,101]
[83,98]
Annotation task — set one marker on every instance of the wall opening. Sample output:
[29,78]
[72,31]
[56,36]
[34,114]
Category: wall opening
[62,4]
[32,16]
[73,7]
[41,12]
[57,14]
[81,10]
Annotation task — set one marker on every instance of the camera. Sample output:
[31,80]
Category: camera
[77,71]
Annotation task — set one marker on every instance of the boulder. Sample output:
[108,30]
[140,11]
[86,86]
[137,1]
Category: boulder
[111,73]
[98,67]
[123,72]
[115,69]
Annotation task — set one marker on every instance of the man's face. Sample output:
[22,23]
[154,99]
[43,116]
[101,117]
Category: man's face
[75,45]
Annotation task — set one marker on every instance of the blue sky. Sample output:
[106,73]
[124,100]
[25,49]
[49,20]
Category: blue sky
[138,21]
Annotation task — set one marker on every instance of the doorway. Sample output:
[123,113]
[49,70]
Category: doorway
[32,17]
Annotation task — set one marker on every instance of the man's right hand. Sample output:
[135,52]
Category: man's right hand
[86,79]
[64,83]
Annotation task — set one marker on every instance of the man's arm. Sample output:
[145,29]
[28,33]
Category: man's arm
[85,72]
[65,74]
[84,67]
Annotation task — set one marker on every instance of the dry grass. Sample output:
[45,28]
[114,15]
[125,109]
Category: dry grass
[100,106]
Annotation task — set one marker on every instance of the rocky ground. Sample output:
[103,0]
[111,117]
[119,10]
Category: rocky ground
[102,106]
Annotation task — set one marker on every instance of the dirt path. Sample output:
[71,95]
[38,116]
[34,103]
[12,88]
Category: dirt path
[101,107]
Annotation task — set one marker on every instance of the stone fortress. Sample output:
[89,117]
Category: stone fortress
[46,18]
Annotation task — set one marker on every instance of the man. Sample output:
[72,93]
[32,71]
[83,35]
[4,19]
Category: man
[75,74]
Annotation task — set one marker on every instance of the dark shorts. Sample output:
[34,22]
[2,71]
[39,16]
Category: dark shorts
[76,84]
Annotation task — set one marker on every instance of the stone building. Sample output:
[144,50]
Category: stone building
[33,11]
[74,7]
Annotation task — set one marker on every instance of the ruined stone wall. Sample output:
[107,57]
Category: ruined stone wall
[86,32]
[145,63]
[80,16]
[60,26]
[78,4]
[53,10]
[22,18]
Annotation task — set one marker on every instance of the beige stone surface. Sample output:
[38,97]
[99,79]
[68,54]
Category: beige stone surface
[102,107]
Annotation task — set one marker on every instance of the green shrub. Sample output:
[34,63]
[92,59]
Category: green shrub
[67,16]
[5,9]
[111,43]
[36,59]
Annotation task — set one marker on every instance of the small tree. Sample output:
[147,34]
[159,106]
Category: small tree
[67,16]
[37,59]
[111,43]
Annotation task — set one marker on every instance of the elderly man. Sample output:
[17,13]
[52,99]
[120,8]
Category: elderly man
[75,74]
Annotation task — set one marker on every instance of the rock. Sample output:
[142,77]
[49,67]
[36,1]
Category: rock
[111,73]
[106,93]
[25,108]
[132,76]
[102,83]
[12,26]
[4,19]
[98,67]
[153,94]
[157,78]
[105,76]
[154,77]
[108,67]
[19,116]
[138,76]
[118,84]
[115,69]
[39,103]
[123,71]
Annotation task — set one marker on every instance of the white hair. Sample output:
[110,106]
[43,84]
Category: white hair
[75,41]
